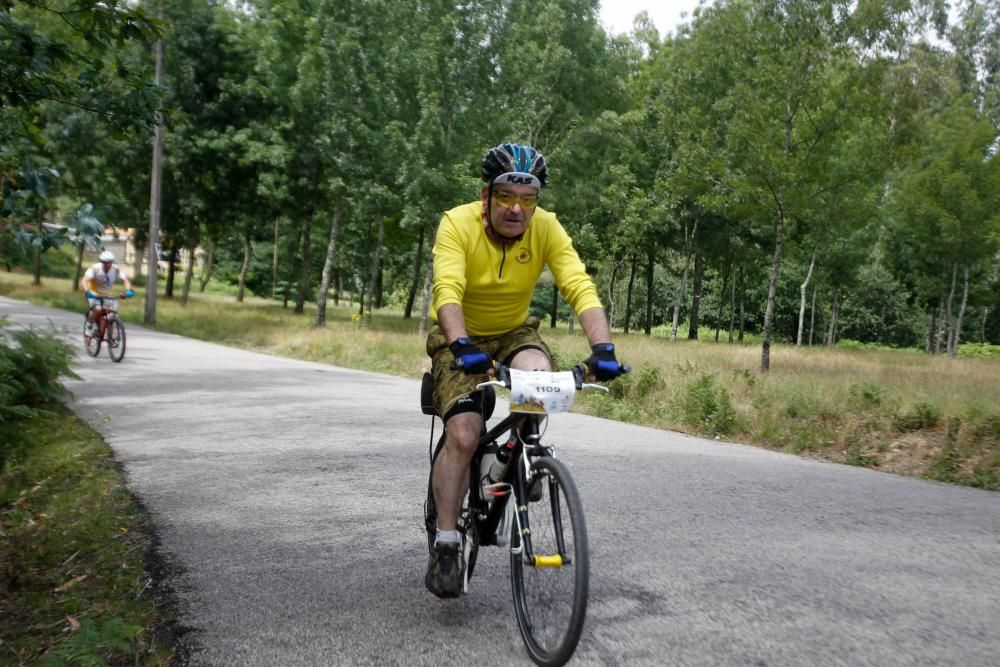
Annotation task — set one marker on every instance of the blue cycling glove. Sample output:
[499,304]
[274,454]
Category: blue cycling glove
[602,363]
[470,358]
[91,295]
[129,294]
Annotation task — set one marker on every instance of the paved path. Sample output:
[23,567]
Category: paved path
[288,497]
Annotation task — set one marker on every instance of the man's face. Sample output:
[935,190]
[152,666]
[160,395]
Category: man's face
[106,266]
[509,212]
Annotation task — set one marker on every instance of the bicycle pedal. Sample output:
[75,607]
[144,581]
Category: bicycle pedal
[548,561]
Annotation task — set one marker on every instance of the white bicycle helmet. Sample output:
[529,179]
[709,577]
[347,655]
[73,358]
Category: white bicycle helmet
[106,256]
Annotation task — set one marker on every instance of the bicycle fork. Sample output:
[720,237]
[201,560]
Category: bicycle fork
[531,438]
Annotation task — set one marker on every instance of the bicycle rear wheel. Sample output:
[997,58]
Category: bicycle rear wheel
[116,340]
[92,344]
[550,580]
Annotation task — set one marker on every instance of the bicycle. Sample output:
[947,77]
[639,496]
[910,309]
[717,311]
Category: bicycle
[110,330]
[544,526]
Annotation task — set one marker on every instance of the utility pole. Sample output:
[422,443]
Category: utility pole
[154,188]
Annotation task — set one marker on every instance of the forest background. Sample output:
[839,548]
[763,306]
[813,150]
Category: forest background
[805,171]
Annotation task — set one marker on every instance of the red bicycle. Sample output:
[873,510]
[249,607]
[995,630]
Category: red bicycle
[109,329]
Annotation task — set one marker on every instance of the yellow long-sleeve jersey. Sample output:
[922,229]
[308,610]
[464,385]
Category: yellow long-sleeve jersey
[494,284]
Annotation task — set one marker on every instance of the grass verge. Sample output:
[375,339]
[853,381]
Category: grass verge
[74,583]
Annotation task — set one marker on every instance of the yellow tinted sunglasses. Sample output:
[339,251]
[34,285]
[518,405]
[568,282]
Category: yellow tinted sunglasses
[508,199]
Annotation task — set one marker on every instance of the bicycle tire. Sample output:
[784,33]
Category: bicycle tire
[116,340]
[92,344]
[430,508]
[550,601]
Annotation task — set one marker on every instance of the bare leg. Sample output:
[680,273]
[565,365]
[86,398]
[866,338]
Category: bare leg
[451,468]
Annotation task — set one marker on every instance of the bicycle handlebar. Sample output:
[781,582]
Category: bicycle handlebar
[502,374]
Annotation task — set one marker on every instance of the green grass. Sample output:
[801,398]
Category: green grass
[73,588]
[870,406]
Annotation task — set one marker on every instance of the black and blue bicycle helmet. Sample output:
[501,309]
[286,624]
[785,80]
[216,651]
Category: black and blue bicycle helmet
[515,163]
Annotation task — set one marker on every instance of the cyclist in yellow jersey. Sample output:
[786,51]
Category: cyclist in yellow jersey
[488,256]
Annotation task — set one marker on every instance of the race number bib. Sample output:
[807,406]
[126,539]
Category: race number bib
[541,392]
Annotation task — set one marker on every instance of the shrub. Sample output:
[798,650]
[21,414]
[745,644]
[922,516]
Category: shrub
[921,416]
[32,363]
[707,406]
[979,350]
[866,395]
[36,363]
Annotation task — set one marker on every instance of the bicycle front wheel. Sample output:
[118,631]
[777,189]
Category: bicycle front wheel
[550,564]
[116,340]
[92,344]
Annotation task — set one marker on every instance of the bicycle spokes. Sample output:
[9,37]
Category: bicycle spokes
[550,566]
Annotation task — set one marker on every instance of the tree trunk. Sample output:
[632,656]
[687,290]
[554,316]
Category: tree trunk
[831,333]
[722,298]
[186,290]
[772,291]
[942,325]
[274,260]
[931,327]
[331,259]
[300,300]
[743,312]
[425,297]
[628,292]
[609,307]
[37,268]
[802,299]
[812,318]
[555,305]
[683,288]
[418,263]
[736,271]
[948,308]
[137,266]
[286,292]
[982,324]
[155,186]
[647,327]
[75,285]
[336,285]
[246,266]
[206,271]
[376,263]
[695,314]
[171,272]
[961,313]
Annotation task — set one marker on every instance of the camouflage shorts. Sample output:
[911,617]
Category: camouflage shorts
[449,385]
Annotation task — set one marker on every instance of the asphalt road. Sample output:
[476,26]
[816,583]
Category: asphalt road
[287,497]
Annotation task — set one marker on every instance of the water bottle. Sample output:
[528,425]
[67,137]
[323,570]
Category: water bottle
[492,469]
[485,464]
[502,460]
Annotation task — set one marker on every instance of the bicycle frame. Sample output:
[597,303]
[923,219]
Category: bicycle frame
[525,429]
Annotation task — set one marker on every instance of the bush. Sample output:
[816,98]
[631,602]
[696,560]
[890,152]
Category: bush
[866,395]
[979,350]
[32,363]
[707,406]
[923,415]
